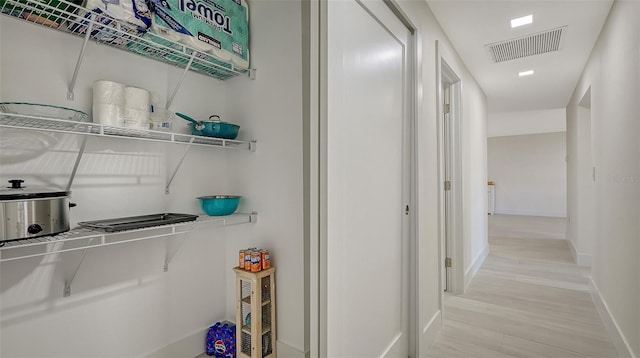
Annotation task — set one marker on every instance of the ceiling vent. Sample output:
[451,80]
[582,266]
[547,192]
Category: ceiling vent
[530,45]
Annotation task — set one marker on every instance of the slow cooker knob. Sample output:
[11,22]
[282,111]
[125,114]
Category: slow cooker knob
[16,183]
[34,229]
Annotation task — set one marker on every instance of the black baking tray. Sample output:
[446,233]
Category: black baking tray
[138,222]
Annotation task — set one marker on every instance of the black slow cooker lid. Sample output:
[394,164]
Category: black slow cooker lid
[17,192]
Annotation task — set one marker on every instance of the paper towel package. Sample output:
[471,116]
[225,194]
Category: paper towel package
[137,98]
[118,105]
[109,92]
[108,102]
[123,16]
[219,27]
[107,114]
[135,118]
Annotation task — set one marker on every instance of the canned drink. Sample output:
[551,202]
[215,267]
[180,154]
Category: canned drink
[256,266]
[266,259]
[247,260]
[241,259]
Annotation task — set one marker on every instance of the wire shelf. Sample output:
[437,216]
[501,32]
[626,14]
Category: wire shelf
[84,238]
[21,121]
[67,17]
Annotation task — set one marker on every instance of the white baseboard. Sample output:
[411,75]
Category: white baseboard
[573,250]
[193,345]
[581,259]
[430,332]
[285,350]
[617,337]
[475,266]
[551,214]
[189,346]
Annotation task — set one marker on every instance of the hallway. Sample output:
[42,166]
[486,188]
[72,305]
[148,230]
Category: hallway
[527,300]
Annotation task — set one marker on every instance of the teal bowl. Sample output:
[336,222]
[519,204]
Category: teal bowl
[219,205]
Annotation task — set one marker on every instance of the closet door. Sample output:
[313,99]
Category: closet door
[367,181]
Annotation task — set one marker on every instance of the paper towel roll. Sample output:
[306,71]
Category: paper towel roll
[239,62]
[195,43]
[107,114]
[108,92]
[137,98]
[134,12]
[164,32]
[136,119]
[220,54]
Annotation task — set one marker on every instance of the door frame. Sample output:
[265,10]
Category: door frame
[315,22]
[452,221]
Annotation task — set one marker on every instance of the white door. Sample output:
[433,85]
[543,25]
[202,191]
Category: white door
[367,188]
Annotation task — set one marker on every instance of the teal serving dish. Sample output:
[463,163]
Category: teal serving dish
[219,205]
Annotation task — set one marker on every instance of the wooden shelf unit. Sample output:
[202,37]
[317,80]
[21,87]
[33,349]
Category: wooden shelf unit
[255,296]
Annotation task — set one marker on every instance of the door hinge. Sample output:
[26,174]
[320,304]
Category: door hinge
[447,108]
[447,262]
[447,185]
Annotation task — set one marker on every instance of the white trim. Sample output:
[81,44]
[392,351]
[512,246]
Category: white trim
[618,338]
[391,345]
[311,19]
[475,266]
[191,346]
[441,245]
[430,331]
[285,350]
[188,346]
[572,248]
[454,224]
[531,213]
[581,259]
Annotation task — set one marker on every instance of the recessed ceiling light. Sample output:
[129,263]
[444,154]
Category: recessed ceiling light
[525,73]
[521,21]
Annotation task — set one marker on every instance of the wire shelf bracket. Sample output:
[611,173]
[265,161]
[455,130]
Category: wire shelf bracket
[171,254]
[76,164]
[72,84]
[180,81]
[175,171]
[66,292]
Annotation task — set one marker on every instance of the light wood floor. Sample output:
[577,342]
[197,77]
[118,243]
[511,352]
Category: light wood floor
[527,300]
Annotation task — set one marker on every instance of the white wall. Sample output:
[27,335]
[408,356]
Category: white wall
[613,74]
[474,174]
[526,122]
[272,177]
[530,173]
[122,302]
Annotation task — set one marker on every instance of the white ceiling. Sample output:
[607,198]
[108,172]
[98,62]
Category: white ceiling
[472,24]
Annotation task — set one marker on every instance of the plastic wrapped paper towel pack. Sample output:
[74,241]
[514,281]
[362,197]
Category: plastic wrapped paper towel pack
[137,108]
[108,102]
[117,105]
[219,27]
[128,16]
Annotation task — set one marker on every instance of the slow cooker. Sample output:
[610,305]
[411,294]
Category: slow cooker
[30,212]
